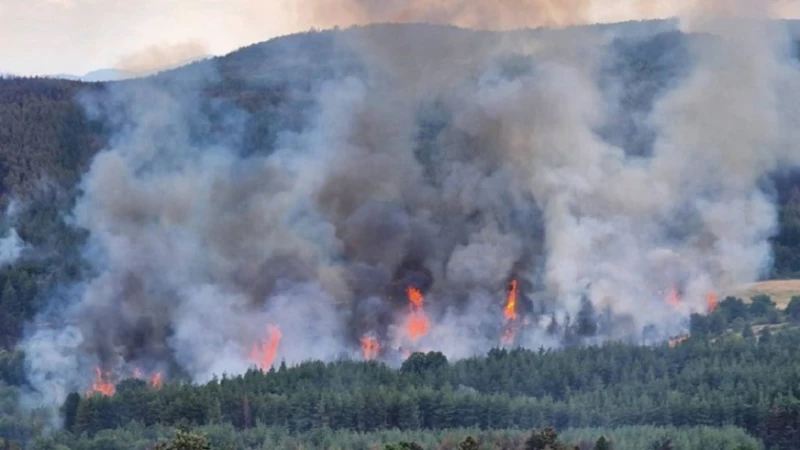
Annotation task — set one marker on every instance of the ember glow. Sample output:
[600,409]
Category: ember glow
[370,347]
[101,385]
[264,352]
[677,340]
[418,323]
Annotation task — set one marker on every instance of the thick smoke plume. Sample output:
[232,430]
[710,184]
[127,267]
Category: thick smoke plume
[448,168]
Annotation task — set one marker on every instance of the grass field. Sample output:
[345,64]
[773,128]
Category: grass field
[781,291]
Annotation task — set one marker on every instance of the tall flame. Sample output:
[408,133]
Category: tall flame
[101,384]
[511,302]
[418,323]
[712,302]
[264,352]
[370,347]
[510,313]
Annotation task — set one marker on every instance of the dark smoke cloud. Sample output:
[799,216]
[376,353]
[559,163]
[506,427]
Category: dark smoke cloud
[458,161]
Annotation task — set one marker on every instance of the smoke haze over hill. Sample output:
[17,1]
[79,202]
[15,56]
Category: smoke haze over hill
[445,189]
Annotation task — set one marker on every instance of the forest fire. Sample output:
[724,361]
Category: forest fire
[370,347]
[156,381]
[510,313]
[264,352]
[418,323]
[101,384]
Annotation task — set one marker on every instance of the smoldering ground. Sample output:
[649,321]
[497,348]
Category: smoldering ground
[452,162]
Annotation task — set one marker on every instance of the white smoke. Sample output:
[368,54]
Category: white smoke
[11,247]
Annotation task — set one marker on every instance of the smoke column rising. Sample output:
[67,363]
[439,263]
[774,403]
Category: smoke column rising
[197,250]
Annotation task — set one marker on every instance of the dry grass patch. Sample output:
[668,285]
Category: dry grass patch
[781,291]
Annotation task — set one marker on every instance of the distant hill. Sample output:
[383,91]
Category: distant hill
[103,75]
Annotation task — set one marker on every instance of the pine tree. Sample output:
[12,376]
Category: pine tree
[469,444]
[70,410]
[603,444]
[664,443]
[184,440]
[586,320]
[546,439]
[793,309]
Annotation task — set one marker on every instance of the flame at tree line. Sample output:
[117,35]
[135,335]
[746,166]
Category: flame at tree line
[264,352]
[417,325]
[677,340]
[712,302]
[370,347]
[103,383]
[674,299]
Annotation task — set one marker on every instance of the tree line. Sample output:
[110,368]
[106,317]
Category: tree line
[749,382]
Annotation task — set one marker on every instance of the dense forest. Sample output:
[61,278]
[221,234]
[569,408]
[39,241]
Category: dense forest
[733,385]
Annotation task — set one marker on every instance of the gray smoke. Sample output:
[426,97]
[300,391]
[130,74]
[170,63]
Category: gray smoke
[197,249]
[11,244]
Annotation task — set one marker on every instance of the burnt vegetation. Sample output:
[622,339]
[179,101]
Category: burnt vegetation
[736,375]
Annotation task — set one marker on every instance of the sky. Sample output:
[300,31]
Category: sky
[78,36]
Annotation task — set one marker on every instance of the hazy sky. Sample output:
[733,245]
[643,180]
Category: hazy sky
[77,36]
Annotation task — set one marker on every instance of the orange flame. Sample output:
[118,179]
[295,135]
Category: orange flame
[264,352]
[510,313]
[417,323]
[101,384]
[371,347]
[511,303]
[156,381]
[673,298]
[677,340]
[712,302]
